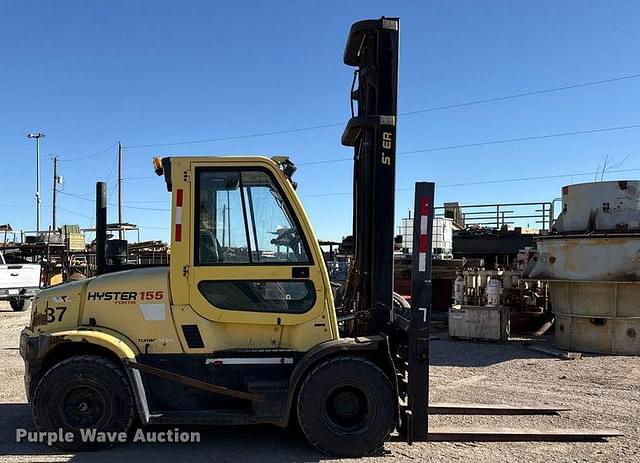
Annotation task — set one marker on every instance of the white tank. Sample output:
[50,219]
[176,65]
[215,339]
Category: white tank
[442,237]
[600,206]
[442,234]
[458,290]
[494,291]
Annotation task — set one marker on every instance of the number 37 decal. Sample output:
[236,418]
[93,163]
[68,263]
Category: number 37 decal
[55,314]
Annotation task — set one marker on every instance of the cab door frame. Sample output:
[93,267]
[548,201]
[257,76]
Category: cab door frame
[253,271]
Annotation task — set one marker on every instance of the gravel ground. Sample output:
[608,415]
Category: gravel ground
[603,393]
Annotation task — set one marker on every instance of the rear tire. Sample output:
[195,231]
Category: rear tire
[346,407]
[18,305]
[83,392]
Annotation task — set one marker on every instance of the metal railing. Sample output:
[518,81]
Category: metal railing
[498,215]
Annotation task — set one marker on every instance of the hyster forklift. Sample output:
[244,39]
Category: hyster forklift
[242,328]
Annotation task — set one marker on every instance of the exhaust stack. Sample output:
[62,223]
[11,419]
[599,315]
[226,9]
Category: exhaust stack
[101,227]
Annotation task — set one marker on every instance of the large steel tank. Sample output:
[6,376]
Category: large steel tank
[600,317]
[592,263]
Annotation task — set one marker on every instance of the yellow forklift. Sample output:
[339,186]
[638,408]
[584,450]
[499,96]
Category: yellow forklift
[242,327]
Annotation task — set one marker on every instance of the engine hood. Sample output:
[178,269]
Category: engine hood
[129,287]
[95,300]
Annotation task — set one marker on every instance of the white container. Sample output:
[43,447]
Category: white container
[479,322]
[442,236]
[458,290]
[494,291]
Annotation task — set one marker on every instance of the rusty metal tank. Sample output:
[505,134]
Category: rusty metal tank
[592,263]
[598,317]
[595,257]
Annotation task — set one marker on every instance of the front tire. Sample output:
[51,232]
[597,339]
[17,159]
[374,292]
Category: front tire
[18,304]
[83,392]
[346,407]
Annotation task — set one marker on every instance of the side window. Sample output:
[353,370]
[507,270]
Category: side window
[260,296]
[222,234]
[243,219]
[273,234]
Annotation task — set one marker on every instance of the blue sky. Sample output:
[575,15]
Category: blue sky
[90,74]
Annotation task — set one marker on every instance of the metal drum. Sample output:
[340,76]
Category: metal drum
[599,317]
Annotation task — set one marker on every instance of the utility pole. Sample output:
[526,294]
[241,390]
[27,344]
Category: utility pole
[53,195]
[120,153]
[37,136]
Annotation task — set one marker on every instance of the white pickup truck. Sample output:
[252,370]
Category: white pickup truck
[18,283]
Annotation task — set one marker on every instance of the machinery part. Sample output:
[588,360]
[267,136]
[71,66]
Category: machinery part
[372,47]
[84,392]
[101,227]
[18,304]
[400,303]
[458,290]
[599,317]
[344,407]
[592,257]
[192,382]
[492,409]
[116,252]
[599,206]
[518,435]
[494,291]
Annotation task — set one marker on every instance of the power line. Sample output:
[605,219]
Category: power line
[82,158]
[113,168]
[486,143]
[488,182]
[76,213]
[520,95]
[111,204]
[408,113]
[337,124]
[164,201]
[239,137]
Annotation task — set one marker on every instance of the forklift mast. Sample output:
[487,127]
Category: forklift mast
[372,47]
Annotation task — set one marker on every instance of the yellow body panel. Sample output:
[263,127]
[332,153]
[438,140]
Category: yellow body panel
[147,307]
[102,337]
[135,303]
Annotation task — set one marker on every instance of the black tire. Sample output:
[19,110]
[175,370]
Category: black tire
[83,392]
[18,304]
[346,407]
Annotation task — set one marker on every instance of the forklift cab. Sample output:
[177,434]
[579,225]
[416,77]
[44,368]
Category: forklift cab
[244,253]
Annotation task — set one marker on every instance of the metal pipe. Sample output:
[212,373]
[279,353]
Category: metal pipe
[38,185]
[37,136]
[120,153]
[101,227]
[53,201]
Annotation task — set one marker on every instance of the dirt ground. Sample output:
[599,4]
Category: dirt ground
[603,393]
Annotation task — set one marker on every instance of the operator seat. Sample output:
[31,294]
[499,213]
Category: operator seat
[209,248]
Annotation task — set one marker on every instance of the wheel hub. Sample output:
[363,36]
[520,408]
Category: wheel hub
[347,410]
[83,407]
